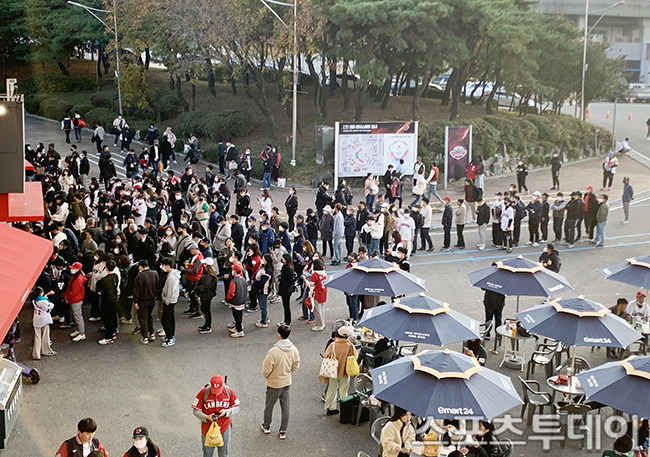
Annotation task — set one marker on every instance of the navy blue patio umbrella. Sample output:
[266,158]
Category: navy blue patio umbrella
[519,276]
[624,385]
[578,322]
[420,319]
[445,385]
[376,277]
[634,271]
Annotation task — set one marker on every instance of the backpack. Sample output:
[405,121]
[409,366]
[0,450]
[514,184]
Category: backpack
[67,124]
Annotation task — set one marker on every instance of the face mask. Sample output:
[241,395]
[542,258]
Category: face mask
[169,233]
[73,271]
[96,258]
[116,250]
[118,240]
[140,443]
[178,197]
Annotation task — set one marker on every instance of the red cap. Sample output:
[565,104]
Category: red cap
[640,293]
[216,384]
[448,198]
[76,266]
[590,187]
[237,268]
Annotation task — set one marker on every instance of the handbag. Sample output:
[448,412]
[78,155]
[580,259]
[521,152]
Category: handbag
[214,438]
[232,165]
[282,182]
[309,303]
[351,366]
[329,367]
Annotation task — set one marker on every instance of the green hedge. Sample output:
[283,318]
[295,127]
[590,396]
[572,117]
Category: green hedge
[105,116]
[54,109]
[214,126]
[49,83]
[533,136]
[33,103]
[101,101]
[82,109]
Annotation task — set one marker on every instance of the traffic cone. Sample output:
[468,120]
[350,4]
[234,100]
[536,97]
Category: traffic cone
[629,116]
[607,117]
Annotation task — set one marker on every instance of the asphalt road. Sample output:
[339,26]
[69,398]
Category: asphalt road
[127,384]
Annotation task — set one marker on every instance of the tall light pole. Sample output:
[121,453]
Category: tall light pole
[294,117]
[587,30]
[117,45]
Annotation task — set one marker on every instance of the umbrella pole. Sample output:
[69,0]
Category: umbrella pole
[573,367]
[517,303]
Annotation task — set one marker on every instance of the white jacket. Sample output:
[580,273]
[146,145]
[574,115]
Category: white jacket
[420,185]
[171,288]
[377,229]
[42,308]
[427,214]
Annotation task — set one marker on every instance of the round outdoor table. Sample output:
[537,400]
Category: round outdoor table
[515,357]
[574,388]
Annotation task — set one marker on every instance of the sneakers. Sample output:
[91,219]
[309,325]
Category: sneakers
[310,321]
[302,318]
[622,222]
[152,337]
[125,321]
[535,245]
[188,311]
[231,325]
[232,330]
[105,341]
[251,310]
[317,329]
[73,334]
[261,325]
[64,325]
[161,333]
[570,246]
[282,435]
[204,330]
[79,337]
[265,430]
[94,319]
[135,331]
[51,353]
[237,334]
[170,342]
[196,316]
[144,341]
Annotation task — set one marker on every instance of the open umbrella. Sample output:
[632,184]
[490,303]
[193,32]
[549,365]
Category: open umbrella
[624,385]
[634,271]
[445,385]
[578,322]
[375,277]
[520,276]
[421,319]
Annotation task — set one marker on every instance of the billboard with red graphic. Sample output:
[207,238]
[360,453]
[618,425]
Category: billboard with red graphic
[458,151]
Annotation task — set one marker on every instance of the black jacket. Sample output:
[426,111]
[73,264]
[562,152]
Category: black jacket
[362,218]
[483,216]
[551,261]
[84,166]
[108,288]
[447,215]
[291,204]
[534,209]
[206,287]
[322,198]
[572,208]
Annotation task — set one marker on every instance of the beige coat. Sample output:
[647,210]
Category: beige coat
[341,348]
[461,211]
[281,360]
[391,441]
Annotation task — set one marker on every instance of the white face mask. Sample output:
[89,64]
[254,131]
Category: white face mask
[140,443]
[116,250]
[73,271]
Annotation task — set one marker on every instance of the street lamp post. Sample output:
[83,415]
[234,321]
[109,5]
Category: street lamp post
[294,90]
[587,30]
[117,45]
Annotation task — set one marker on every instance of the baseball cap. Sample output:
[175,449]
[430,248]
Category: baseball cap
[216,383]
[76,266]
[140,432]
[327,208]
[590,187]
[498,193]
[192,245]
[447,198]
[537,193]
[208,261]
[237,268]
[346,331]
[640,293]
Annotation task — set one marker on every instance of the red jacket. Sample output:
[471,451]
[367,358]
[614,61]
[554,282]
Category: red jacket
[320,291]
[74,292]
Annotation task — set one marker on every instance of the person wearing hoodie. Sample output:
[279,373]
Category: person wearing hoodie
[550,258]
[280,362]
[169,297]
[558,207]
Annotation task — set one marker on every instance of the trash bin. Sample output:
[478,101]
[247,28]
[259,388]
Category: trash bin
[11,390]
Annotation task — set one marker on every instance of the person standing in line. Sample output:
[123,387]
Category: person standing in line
[472,193]
[609,169]
[169,298]
[74,296]
[109,287]
[350,230]
[142,445]
[558,207]
[327,230]
[144,297]
[340,349]
[261,284]
[236,300]
[580,217]
[433,182]
[520,212]
[572,208]
[591,207]
[216,402]
[279,364]
[556,164]
[482,220]
[447,218]
[41,323]
[387,180]
[427,214]
[370,190]
[480,173]
[291,205]
[507,223]
[205,290]
[286,287]
[493,302]
[495,212]
[319,294]
[461,212]
[534,210]
[193,271]
[628,196]
[338,232]
[522,173]
[601,219]
[84,442]
[544,218]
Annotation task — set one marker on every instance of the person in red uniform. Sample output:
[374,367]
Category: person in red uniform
[84,442]
[216,402]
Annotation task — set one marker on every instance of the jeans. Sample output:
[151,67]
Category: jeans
[272,397]
[306,313]
[337,248]
[221,451]
[370,202]
[262,300]
[266,181]
[353,306]
[374,245]
[77,134]
[447,237]
[600,233]
[432,190]
[168,322]
[417,199]
[425,238]
[349,244]
[480,181]
[207,312]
